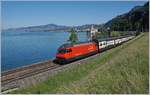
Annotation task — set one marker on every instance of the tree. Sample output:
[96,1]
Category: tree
[73,37]
[115,34]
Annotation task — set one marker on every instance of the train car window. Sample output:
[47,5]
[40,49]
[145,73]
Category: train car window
[101,44]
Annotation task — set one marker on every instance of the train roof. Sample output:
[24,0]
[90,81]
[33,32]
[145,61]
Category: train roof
[112,38]
[66,45]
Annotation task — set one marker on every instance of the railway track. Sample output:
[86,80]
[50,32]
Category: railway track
[25,67]
[9,78]
[27,71]
[15,75]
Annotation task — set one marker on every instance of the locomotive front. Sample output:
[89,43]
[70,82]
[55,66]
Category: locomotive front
[63,53]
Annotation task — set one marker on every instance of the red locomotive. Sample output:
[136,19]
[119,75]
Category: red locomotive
[69,52]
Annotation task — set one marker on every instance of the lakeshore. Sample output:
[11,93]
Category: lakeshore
[100,73]
[24,48]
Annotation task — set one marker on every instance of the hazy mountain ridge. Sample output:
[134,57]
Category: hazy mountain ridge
[136,19]
[53,27]
[47,27]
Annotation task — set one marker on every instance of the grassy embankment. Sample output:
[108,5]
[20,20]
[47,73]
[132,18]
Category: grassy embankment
[123,69]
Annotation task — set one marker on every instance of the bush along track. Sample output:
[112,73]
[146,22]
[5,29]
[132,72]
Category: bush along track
[123,69]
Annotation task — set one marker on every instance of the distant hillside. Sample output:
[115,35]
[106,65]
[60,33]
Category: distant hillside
[88,26]
[136,19]
[48,27]
[53,27]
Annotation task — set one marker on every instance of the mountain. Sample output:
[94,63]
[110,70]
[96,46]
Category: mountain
[136,19]
[53,27]
[47,27]
[87,26]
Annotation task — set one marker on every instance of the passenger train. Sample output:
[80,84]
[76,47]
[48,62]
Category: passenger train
[71,52]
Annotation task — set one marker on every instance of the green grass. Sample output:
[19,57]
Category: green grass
[123,69]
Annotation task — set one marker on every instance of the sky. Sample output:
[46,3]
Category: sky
[31,13]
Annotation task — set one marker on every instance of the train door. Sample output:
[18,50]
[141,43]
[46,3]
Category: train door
[102,44]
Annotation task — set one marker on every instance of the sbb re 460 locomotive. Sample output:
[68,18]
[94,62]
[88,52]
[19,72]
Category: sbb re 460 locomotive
[71,52]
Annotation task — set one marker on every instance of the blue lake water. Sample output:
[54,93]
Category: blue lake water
[24,48]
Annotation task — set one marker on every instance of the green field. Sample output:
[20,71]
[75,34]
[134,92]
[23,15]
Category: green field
[124,69]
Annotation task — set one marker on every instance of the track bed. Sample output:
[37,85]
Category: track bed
[20,73]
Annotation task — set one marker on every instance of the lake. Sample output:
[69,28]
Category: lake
[24,48]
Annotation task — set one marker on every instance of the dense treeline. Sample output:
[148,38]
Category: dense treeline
[135,20]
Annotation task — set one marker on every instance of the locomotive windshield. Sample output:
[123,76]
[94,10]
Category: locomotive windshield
[62,51]
[65,45]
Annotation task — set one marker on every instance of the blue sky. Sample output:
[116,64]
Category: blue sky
[32,13]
